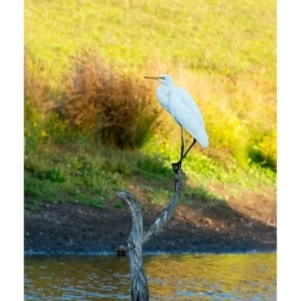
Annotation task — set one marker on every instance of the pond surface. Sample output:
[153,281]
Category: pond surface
[170,277]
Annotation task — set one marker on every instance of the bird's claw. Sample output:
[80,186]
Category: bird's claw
[178,173]
[176,166]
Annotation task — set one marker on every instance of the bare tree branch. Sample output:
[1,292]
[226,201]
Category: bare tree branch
[168,212]
[139,287]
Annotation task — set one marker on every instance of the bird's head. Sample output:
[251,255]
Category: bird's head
[165,79]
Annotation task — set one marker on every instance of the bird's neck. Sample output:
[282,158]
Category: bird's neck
[169,85]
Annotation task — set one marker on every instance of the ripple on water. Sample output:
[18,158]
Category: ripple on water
[170,277]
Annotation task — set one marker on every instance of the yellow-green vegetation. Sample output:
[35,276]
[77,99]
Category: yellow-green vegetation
[92,122]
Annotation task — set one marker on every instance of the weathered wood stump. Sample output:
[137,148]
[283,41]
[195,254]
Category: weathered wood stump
[138,237]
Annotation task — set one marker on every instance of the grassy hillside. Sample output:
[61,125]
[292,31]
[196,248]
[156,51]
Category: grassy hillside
[223,53]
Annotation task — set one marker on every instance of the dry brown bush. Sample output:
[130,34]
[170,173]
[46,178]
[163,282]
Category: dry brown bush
[37,94]
[115,107]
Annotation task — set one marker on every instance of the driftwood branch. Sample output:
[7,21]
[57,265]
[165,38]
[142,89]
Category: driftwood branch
[168,212]
[139,287]
[137,237]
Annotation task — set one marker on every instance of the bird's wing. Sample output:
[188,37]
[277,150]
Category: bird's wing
[162,93]
[186,112]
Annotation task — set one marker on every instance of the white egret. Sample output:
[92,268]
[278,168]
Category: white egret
[179,103]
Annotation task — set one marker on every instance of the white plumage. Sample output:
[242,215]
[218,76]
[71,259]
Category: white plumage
[179,103]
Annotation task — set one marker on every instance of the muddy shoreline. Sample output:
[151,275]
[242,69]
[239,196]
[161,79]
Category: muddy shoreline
[79,229]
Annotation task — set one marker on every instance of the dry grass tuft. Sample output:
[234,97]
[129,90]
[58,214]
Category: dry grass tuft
[38,95]
[117,108]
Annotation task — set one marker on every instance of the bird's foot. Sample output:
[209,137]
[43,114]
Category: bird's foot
[178,173]
[176,166]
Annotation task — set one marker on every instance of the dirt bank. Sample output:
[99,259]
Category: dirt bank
[235,226]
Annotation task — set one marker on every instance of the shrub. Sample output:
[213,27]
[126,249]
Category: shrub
[264,150]
[113,107]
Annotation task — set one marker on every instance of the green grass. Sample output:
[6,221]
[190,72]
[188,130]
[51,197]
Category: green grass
[208,35]
[93,174]
[223,53]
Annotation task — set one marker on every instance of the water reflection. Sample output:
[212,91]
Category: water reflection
[170,277]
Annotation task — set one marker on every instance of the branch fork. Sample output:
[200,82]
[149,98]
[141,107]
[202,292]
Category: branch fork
[138,236]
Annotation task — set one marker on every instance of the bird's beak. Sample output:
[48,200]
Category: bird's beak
[152,77]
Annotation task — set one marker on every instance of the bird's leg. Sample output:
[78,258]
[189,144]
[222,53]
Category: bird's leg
[183,155]
[176,166]
[193,143]
[182,144]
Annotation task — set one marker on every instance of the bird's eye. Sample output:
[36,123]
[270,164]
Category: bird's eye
[162,77]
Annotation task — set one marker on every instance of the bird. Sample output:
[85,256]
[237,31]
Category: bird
[179,103]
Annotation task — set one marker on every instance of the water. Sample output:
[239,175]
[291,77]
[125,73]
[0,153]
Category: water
[170,277]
